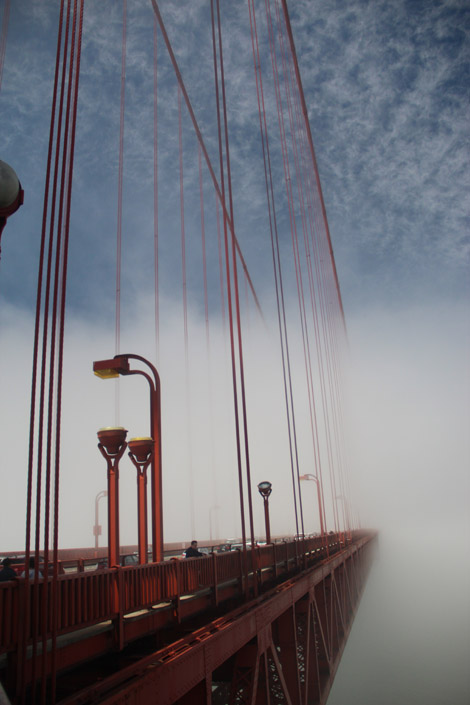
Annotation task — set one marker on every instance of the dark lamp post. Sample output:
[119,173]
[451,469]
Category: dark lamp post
[11,193]
[112,444]
[119,365]
[141,454]
[265,489]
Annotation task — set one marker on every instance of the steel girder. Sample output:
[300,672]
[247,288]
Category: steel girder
[283,648]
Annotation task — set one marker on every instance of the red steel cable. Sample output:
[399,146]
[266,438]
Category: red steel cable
[237,293]
[312,151]
[25,620]
[120,181]
[290,413]
[294,471]
[74,79]
[229,298]
[299,181]
[203,147]
[185,316]
[47,340]
[59,189]
[155,190]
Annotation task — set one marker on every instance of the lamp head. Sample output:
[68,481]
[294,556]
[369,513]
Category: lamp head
[141,448]
[11,193]
[107,369]
[265,489]
[112,438]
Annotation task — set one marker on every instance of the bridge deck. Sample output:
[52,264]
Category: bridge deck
[109,623]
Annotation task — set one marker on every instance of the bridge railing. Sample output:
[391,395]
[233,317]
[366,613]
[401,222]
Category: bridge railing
[80,600]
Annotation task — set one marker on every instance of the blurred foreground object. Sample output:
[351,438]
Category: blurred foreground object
[11,194]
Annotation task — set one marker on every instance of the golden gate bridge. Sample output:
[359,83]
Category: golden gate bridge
[267,622]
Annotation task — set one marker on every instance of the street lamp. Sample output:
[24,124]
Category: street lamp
[119,365]
[141,454]
[97,526]
[314,478]
[112,444]
[11,194]
[265,489]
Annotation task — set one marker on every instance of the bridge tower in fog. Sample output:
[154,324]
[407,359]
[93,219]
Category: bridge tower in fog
[219,218]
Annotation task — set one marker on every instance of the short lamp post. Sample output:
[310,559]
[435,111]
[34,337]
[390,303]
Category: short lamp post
[97,526]
[11,194]
[141,454]
[265,489]
[112,444]
[119,365]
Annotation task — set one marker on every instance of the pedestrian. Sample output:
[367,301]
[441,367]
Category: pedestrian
[192,551]
[7,572]
[31,570]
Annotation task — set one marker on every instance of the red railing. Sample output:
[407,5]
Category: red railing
[87,598]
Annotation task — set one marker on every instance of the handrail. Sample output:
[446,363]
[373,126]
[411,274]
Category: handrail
[87,598]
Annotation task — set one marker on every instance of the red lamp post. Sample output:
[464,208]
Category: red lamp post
[141,454]
[112,444]
[265,489]
[11,194]
[119,365]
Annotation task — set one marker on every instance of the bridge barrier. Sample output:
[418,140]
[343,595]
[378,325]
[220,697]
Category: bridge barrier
[79,600]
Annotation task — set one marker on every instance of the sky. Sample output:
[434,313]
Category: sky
[386,86]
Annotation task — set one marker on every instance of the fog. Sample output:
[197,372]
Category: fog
[410,642]
[408,419]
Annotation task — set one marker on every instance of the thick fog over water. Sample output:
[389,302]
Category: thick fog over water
[409,462]
[410,642]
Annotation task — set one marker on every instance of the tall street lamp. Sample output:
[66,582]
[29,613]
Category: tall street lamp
[141,454]
[97,526]
[265,489]
[11,194]
[112,444]
[119,365]
[314,478]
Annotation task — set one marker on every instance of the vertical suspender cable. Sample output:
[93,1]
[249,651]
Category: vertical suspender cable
[204,151]
[155,190]
[44,462]
[290,412]
[185,317]
[237,294]
[229,298]
[74,81]
[25,614]
[213,529]
[117,345]
[317,337]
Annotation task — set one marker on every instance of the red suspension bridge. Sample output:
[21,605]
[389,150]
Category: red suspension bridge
[235,243]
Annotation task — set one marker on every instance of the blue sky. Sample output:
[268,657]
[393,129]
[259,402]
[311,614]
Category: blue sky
[387,89]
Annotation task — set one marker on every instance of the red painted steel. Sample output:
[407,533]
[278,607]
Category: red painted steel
[168,593]
[284,646]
